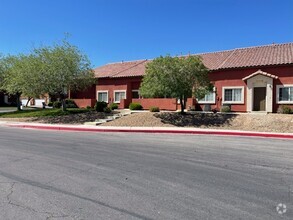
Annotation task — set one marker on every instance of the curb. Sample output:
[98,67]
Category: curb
[156,130]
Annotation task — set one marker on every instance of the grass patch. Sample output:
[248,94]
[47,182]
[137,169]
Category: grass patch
[41,113]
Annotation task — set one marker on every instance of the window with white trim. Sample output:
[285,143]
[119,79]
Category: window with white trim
[118,95]
[285,94]
[233,95]
[209,98]
[102,96]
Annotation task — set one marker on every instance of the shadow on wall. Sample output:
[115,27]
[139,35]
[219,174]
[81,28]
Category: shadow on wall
[196,120]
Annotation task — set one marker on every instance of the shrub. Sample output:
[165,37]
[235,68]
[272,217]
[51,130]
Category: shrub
[71,106]
[50,104]
[57,104]
[107,110]
[113,106]
[225,108]
[154,109]
[99,106]
[135,106]
[283,109]
[70,103]
[88,107]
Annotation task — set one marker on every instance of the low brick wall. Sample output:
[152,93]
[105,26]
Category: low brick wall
[83,103]
[124,103]
[162,103]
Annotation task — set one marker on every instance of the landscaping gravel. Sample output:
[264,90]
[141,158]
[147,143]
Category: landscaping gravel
[246,122]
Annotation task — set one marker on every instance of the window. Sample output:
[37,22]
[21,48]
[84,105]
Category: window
[118,95]
[135,94]
[285,94]
[102,96]
[209,98]
[233,95]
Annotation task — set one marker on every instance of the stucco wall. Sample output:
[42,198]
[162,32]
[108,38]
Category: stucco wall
[115,84]
[163,104]
[83,103]
[89,93]
[234,77]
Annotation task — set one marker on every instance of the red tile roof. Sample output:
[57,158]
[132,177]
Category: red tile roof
[275,54]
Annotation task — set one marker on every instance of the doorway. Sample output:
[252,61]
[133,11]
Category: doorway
[259,99]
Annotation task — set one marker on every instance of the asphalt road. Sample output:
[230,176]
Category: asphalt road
[70,175]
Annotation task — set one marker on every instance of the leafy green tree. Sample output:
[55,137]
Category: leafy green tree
[11,75]
[19,76]
[63,67]
[46,70]
[176,77]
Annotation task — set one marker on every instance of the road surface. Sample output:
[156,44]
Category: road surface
[72,175]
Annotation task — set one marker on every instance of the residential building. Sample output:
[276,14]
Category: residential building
[247,79]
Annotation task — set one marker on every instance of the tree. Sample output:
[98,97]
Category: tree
[46,70]
[63,67]
[19,76]
[175,77]
[10,75]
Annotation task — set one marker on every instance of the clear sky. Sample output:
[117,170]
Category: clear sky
[115,30]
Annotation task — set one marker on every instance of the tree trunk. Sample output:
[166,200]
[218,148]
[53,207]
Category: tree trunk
[182,104]
[63,102]
[183,100]
[18,102]
[28,100]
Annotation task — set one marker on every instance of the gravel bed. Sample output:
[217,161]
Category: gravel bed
[246,122]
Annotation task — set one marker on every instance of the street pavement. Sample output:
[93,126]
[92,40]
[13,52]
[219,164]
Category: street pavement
[79,175]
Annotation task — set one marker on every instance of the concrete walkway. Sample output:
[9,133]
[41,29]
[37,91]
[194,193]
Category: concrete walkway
[174,130]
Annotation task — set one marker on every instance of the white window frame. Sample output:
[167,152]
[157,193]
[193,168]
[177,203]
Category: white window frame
[278,95]
[118,91]
[103,91]
[208,102]
[233,87]
[135,90]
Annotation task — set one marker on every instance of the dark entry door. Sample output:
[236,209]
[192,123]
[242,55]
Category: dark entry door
[259,100]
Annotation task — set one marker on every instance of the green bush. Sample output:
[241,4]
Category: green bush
[70,103]
[113,106]
[225,108]
[154,109]
[57,104]
[50,104]
[135,106]
[283,109]
[88,107]
[99,106]
[107,110]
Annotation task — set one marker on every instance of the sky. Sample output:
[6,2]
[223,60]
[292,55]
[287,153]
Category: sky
[114,30]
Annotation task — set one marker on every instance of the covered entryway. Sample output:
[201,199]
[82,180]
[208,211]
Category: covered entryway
[259,98]
[259,91]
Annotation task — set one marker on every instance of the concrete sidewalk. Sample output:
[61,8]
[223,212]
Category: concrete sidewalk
[174,130]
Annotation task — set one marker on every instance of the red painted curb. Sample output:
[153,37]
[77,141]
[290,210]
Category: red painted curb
[228,133]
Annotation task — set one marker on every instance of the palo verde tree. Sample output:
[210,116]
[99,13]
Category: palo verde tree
[63,67]
[176,77]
